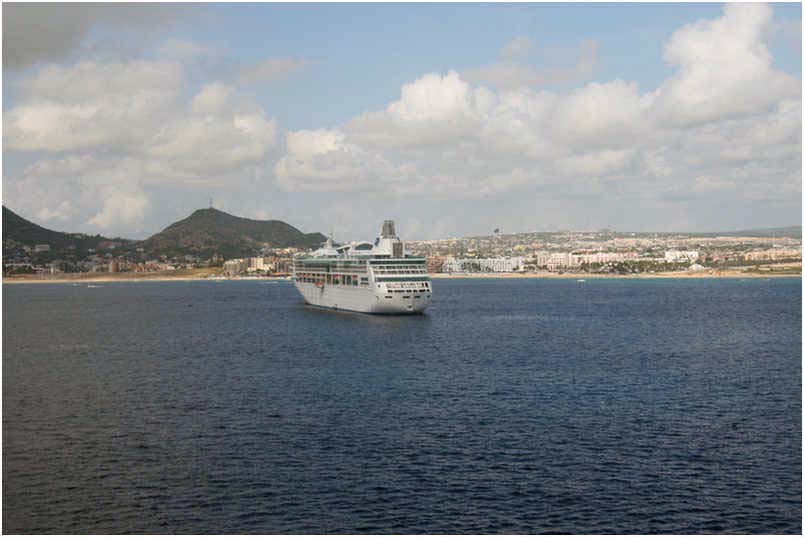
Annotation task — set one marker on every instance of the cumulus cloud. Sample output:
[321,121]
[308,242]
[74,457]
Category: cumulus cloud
[611,114]
[106,134]
[231,143]
[136,107]
[90,104]
[724,69]
[596,163]
[122,210]
[724,108]
[110,131]
[432,110]
[62,212]
[324,160]
[83,193]
[213,98]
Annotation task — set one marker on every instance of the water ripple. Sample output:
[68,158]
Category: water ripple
[512,407]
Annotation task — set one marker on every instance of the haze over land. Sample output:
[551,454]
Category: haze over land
[453,120]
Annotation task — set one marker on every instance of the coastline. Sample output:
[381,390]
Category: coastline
[202,274]
[16,281]
[125,278]
[639,276]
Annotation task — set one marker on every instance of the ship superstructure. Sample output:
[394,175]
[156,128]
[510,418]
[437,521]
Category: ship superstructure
[367,277]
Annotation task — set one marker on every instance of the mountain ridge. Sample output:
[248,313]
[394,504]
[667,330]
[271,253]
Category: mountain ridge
[203,233]
[211,231]
[22,230]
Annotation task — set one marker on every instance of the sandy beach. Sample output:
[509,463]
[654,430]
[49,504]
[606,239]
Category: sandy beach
[655,275]
[204,275]
[163,276]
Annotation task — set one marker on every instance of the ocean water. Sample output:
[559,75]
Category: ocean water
[648,406]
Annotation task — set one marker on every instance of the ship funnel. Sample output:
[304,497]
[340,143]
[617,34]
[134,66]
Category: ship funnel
[388,230]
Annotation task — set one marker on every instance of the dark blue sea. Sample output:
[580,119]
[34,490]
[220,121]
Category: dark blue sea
[528,406]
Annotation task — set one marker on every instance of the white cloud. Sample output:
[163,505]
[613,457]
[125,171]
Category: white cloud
[456,139]
[596,164]
[324,160]
[612,114]
[213,98]
[92,104]
[208,146]
[62,212]
[122,210]
[135,108]
[76,164]
[705,183]
[655,162]
[106,135]
[111,132]
[81,192]
[724,69]
[432,110]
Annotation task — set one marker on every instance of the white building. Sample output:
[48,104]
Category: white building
[235,266]
[556,260]
[680,256]
[255,264]
[607,257]
[491,264]
[776,253]
[565,260]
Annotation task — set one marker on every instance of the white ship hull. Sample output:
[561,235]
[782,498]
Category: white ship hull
[362,299]
[365,277]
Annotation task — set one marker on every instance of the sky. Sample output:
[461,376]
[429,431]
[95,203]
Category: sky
[452,119]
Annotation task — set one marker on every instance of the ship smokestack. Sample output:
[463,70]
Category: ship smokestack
[388,230]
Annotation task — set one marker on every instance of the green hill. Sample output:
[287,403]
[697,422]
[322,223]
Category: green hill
[22,231]
[210,231]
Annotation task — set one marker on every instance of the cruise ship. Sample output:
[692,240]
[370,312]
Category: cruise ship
[366,277]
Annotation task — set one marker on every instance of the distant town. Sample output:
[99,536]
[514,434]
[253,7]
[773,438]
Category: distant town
[608,252]
[593,252]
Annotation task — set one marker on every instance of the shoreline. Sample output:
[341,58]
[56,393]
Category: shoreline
[184,276]
[639,276]
[436,276]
